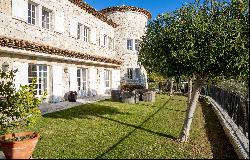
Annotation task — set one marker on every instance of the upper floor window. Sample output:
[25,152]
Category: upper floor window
[86,34]
[137,42]
[107,78]
[32,9]
[105,40]
[39,73]
[111,43]
[130,73]
[130,44]
[79,31]
[46,18]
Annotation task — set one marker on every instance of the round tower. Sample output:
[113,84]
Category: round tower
[132,23]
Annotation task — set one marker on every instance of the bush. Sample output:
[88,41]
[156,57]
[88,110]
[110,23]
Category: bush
[17,108]
[131,87]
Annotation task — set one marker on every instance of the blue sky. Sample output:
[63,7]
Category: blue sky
[154,6]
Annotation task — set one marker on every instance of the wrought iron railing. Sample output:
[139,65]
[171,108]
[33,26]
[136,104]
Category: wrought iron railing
[235,105]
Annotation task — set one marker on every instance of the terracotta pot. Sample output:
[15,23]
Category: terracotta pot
[19,149]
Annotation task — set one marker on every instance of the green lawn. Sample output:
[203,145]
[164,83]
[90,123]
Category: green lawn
[116,130]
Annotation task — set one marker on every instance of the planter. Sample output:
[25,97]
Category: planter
[116,95]
[19,149]
[130,97]
[149,96]
[72,96]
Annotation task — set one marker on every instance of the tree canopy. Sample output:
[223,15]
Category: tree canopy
[207,40]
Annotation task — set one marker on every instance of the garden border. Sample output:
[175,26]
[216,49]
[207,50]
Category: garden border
[239,141]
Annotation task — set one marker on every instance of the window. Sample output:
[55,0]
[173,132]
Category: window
[130,44]
[32,13]
[130,73]
[104,39]
[86,34]
[107,78]
[45,19]
[110,43]
[138,73]
[137,42]
[39,73]
[82,78]
[79,31]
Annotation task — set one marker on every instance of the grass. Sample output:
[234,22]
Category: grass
[114,130]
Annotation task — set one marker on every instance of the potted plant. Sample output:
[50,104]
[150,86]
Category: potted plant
[17,109]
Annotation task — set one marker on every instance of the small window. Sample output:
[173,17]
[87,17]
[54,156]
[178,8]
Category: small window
[105,40]
[130,73]
[111,43]
[130,44]
[86,34]
[79,31]
[137,43]
[32,9]
[107,78]
[46,18]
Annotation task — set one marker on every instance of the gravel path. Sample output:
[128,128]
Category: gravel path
[54,107]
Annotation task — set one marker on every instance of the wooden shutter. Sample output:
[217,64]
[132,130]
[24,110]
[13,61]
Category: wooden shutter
[73,78]
[57,83]
[115,79]
[20,9]
[93,35]
[59,22]
[21,77]
[73,28]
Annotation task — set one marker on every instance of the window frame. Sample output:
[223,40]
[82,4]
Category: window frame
[130,73]
[32,17]
[107,78]
[130,46]
[40,86]
[86,33]
[79,31]
[47,24]
[83,82]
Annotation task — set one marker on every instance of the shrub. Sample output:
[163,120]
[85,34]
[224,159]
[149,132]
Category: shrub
[17,108]
[131,87]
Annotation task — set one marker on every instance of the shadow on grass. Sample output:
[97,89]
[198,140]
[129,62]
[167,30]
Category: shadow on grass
[136,128]
[84,111]
[221,147]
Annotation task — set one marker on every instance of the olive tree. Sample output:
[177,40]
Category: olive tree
[200,40]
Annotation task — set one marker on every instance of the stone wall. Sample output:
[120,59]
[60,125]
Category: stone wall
[132,25]
[14,28]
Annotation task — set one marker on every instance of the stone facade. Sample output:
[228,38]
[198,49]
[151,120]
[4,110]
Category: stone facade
[62,71]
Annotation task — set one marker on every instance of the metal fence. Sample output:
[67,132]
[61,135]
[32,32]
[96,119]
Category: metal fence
[236,106]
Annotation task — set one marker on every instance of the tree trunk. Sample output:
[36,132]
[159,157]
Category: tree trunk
[171,86]
[190,112]
[189,90]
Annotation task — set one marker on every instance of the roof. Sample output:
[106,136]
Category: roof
[126,8]
[35,47]
[94,12]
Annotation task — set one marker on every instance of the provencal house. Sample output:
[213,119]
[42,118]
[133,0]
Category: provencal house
[67,45]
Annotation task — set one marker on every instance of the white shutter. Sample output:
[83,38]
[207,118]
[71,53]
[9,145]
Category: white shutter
[73,78]
[115,79]
[92,78]
[20,9]
[59,22]
[93,35]
[102,82]
[57,81]
[73,28]
[21,77]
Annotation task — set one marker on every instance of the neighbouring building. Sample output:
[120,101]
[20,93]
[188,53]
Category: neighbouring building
[67,45]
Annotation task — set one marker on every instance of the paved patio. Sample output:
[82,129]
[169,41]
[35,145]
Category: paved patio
[54,107]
